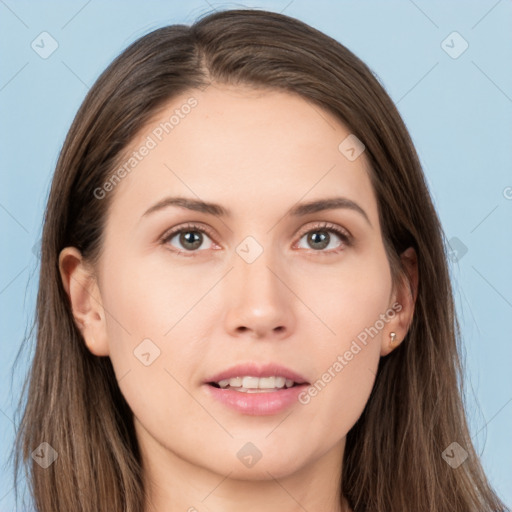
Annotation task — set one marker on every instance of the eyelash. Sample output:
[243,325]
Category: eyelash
[344,235]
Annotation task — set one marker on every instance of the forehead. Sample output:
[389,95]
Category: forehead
[257,151]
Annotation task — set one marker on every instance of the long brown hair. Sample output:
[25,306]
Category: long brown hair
[393,456]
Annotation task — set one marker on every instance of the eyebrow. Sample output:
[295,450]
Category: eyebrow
[298,210]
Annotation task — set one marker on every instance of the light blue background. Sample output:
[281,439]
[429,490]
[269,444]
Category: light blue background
[458,111]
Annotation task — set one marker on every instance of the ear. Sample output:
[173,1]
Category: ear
[404,299]
[80,284]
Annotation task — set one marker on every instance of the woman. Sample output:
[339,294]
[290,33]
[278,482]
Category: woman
[244,300]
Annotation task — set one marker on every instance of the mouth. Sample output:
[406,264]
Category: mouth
[255,390]
[252,384]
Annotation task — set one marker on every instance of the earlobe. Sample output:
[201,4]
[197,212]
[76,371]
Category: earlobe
[81,287]
[405,297]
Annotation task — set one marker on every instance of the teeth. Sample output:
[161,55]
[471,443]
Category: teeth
[271,382]
[252,384]
[236,382]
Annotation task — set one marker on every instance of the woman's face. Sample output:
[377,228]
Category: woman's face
[257,280]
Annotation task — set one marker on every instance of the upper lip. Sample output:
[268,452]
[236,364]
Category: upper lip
[254,369]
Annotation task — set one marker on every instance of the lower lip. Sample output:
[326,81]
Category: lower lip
[257,404]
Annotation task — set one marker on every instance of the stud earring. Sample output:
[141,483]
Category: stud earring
[392,335]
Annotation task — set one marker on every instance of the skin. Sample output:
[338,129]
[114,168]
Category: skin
[257,153]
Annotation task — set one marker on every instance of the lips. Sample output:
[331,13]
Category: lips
[255,402]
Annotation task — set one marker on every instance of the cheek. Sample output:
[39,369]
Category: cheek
[346,297]
[340,393]
[156,309]
[146,298]
[139,309]
[353,303]
[154,341]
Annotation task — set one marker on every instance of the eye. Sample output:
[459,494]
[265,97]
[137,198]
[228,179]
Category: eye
[190,237]
[319,238]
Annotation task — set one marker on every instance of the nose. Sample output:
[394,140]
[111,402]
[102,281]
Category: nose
[260,304]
